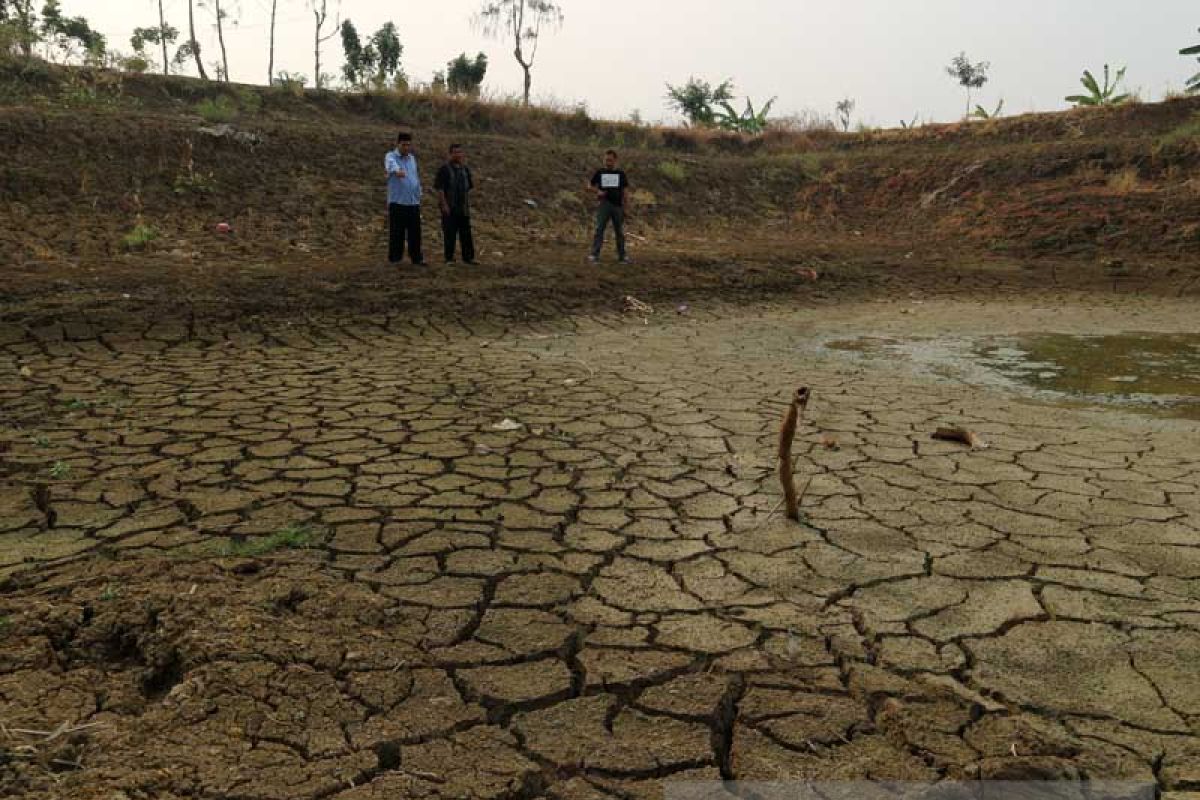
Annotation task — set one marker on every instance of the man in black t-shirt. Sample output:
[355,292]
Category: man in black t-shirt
[610,185]
[454,184]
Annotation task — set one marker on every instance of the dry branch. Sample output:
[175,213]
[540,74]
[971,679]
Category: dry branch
[787,434]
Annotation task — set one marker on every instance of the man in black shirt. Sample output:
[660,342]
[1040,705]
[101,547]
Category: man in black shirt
[610,185]
[454,185]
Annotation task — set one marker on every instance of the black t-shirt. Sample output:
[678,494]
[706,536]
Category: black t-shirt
[613,182]
[456,182]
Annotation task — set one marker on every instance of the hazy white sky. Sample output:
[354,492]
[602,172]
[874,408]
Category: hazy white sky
[617,54]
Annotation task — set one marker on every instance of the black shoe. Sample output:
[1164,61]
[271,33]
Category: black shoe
[450,261]
[472,262]
[421,263]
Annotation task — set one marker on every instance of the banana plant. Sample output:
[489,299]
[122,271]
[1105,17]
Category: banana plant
[982,113]
[749,121]
[1193,84]
[1100,95]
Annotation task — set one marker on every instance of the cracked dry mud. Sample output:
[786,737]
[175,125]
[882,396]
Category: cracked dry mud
[590,605]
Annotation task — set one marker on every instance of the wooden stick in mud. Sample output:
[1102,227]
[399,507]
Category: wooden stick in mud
[787,435]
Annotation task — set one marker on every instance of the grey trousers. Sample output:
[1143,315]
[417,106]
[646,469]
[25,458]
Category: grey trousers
[616,214]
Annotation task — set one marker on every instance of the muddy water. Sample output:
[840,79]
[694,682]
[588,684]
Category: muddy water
[1155,373]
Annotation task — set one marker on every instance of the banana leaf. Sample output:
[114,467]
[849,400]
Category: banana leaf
[1082,100]
[1190,51]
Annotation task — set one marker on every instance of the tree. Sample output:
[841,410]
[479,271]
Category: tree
[1193,84]
[845,109]
[386,43]
[374,63]
[191,48]
[696,98]
[63,34]
[464,76]
[320,12]
[18,23]
[221,14]
[360,61]
[271,48]
[438,84]
[1098,95]
[523,20]
[969,76]
[749,121]
[161,34]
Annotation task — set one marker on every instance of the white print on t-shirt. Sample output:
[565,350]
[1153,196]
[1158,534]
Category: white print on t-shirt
[610,180]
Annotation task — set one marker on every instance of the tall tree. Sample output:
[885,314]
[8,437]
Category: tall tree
[360,60]
[523,20]
[271,50]
[386,43]
[220,13]
[162,34]
[192,46]
[320,12]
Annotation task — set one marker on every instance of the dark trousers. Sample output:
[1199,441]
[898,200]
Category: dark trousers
[457,226]
[404,222]
[605,214]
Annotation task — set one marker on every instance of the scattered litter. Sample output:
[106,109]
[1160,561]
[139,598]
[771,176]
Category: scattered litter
[507,425]
[25,372]
[682,309]
[809,274]
[224,227]
[126,296]
[829,443]
[531,203]
[482,448]
[498,254]
[1124,379]
[227,131]
[908,256]
[537,431]
[570,382]
[632,304]
[961,435]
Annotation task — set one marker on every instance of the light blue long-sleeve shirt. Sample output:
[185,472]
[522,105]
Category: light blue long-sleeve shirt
[404,191]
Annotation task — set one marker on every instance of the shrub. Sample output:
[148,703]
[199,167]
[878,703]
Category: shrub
[673,171]
[140,237]
[220,109]
[1125,181]
[249,101]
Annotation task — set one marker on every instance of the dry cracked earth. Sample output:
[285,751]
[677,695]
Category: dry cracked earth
[427,558]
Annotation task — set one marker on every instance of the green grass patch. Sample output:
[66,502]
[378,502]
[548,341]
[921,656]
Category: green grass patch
[110,592]
[1187,132]
[219,109]
[673,171]
[60,470]
[140,237]
[293,537]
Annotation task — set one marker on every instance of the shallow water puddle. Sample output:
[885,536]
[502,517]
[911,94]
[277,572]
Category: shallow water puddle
[1150,372]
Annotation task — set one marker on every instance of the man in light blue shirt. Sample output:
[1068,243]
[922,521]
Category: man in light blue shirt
[404,202]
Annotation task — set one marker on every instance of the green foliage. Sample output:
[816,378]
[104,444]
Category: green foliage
[292,82]
[696,100]
[134,64]
[1193,84]
[219,109]
[1098,95]
[673,171]
[144,36]
[249,101]
[60,470]
[749,121]
[969,75]
[982,113]
[293,537]
[5,626]
[110,592]
[464,76]
[68,35]
[140,237]
[374,63]
[18,27]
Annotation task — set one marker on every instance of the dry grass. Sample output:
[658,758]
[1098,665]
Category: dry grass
[1125,181]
